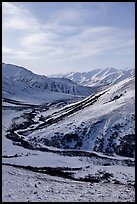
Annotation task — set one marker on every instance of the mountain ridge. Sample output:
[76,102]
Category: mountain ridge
[99,77]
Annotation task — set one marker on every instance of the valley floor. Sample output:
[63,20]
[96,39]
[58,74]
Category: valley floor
[20,185]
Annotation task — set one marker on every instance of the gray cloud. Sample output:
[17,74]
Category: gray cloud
[62,38]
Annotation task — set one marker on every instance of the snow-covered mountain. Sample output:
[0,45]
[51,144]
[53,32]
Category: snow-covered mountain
[99,77]
[104,122]
[20,83]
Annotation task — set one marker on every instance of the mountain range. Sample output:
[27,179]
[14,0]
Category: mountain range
[99,77]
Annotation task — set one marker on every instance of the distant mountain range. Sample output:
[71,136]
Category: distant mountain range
[99,77]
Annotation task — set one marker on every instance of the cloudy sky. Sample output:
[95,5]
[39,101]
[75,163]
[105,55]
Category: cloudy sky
[59,37]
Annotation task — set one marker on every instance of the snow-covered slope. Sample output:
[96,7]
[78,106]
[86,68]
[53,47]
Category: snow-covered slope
[19,83]
[104,122]
[99,77]
[82,151]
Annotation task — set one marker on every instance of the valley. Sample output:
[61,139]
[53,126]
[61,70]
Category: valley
[85,139]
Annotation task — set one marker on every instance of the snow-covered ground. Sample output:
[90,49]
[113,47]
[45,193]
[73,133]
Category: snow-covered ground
[19,185]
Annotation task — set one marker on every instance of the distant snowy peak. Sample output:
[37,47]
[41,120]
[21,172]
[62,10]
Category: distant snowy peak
[99,77]
[19,76]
